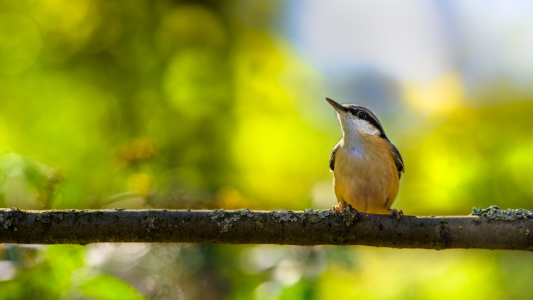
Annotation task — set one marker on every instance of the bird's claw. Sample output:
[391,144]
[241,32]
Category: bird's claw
[398,214]
[352,209]
[395,212]
[338,207]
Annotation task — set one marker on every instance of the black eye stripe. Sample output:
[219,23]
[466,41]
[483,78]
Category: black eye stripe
[357,112]
[369,119]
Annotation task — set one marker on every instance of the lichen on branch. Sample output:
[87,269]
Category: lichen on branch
[495,213]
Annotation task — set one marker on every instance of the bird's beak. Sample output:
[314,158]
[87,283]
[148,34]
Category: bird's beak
[336,106]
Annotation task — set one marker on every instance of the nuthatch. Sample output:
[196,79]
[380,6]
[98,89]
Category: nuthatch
[366,166]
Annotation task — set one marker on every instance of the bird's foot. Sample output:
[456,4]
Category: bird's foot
[338,207]
[352,209]
[395,212]
[398,214]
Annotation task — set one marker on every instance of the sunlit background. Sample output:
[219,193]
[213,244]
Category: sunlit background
[220,104]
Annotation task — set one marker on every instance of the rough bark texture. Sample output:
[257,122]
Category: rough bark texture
[262,227]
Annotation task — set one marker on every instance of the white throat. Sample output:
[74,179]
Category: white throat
[355,131]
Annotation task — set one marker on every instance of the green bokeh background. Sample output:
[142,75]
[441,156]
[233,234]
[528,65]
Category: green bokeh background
[180,104]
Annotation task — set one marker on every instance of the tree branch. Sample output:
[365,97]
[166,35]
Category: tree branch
[262,227]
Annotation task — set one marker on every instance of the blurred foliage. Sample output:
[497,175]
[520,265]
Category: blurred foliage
[183,104]
[474,156]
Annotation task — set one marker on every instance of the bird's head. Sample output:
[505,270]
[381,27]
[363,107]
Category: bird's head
[357,121]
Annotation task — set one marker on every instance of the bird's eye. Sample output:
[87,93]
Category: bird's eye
[361,114]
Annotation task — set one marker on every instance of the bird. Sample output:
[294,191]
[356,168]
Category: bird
[366,166]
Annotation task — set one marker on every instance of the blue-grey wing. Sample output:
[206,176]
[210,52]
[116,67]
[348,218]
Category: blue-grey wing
[332,158]
[397,159]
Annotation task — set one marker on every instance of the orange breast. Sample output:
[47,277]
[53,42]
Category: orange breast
[366,177]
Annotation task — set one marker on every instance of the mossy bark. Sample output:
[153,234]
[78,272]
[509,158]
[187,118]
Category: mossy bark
[262,227]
